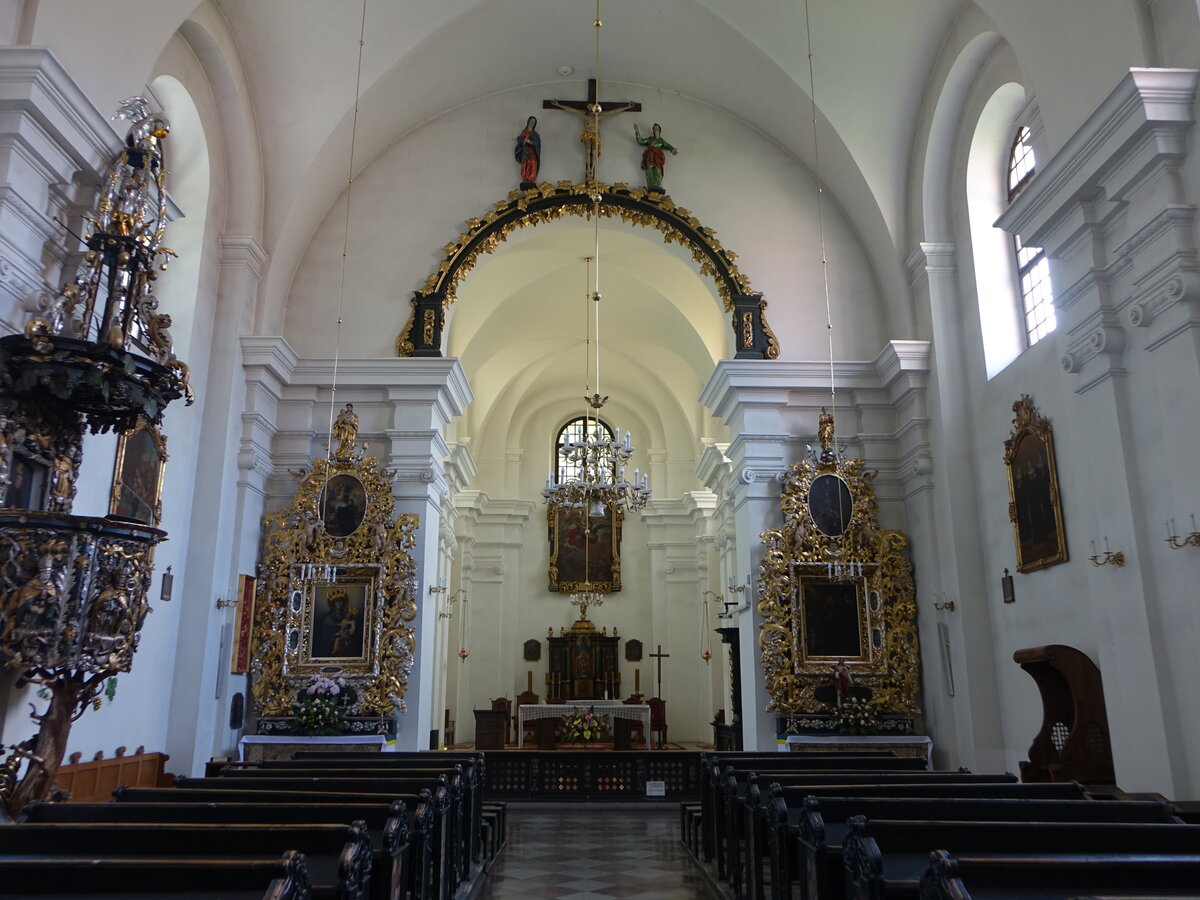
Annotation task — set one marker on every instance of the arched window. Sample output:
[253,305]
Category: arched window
[1033,271]
[578,429]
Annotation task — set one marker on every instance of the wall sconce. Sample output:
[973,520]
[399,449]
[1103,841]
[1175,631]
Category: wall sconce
[717,598]
[447,612]
[168,582]
[222,603]
[1109,559]
[1006,588]
[945,605]
[1177,543]
[439,588]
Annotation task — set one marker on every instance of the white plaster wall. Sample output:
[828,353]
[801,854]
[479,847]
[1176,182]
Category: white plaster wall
[416,195]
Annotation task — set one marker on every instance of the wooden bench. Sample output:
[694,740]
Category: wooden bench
[713,778]
[1060,877]
[453,820]
[713,765]
[430,874]
[464,776]
[804,839]
[391,828]
[887,857]
[338,857]
[741,826]
[282,878]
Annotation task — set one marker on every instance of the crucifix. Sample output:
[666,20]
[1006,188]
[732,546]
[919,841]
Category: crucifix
[592,110]
[660,656]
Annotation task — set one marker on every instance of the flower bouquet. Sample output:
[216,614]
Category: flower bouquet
[855,716]
[319,708]
[581,726]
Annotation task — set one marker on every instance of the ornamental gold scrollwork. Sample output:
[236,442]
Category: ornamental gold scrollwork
[550,202]
[339,548]
[841,593]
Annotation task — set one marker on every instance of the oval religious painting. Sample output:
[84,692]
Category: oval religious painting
[343,505]
[830,504]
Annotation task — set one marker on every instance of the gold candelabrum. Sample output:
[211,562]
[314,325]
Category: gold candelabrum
[586,598]
[1177,542]
[1109,558]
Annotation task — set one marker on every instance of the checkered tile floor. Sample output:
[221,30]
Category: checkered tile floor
[593,852]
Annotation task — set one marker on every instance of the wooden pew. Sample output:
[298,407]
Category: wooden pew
[744,839]
[887,858]
[492,812]
[338,857]
[430,874]
[282,878]
[392,829]
[1060,877]
[453,818]
[714,765]
[464,774]
[804,840]
[696,819]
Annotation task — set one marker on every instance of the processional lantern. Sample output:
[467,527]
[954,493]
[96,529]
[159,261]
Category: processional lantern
[75,587]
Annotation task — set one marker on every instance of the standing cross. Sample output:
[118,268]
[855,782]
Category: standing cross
[592,110]
[660,656]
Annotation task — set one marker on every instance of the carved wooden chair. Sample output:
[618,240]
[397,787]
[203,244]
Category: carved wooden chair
[635,725]
[658,719]
[504,704]
[523,698]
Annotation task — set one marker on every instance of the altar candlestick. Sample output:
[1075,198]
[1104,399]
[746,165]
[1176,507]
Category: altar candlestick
[637,681]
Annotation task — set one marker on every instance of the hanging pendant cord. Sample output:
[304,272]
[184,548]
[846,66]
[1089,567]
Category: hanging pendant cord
[812,93]
[337,343]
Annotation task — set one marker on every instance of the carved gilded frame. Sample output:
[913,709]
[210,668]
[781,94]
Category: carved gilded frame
[566,571]
[138,474]
[303,562]
[1035,506]
[872,563]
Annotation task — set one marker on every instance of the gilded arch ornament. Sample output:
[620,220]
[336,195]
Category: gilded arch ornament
[422,334]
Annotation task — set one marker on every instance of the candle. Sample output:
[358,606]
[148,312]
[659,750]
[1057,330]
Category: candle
[1094,553]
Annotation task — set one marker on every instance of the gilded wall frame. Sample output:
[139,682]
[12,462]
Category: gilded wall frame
[865,570]
[1035,506]
[138,474]
[367,554]
[603,558]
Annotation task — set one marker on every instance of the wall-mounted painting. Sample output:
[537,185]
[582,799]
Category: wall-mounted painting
[339,618]
[833,621]
[1034,508]
[585,548]
[137,480]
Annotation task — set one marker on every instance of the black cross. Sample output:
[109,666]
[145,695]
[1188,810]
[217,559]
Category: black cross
[660,656]
[592,110]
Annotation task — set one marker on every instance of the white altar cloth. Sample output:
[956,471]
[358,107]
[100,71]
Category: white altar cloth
[614,708]
[904,744]
[315,740]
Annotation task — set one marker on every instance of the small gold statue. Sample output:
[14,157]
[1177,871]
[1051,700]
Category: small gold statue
[345,429]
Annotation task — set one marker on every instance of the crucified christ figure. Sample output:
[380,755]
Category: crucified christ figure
[591,110]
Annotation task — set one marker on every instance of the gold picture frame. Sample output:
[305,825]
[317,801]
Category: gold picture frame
[314,549]
[567,558]
[1035,506]
[138,474]
[834,622]
[859,579]
[337,623]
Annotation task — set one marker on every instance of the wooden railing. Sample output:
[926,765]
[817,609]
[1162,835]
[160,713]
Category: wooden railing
[89,782]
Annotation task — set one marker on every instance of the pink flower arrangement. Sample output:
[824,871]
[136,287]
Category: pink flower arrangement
[856,717]
[581,726]
[319,711]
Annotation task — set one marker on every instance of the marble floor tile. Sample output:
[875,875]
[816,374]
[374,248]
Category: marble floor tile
[571,851]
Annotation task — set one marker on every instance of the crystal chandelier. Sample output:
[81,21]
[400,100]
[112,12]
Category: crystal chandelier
[597,463]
